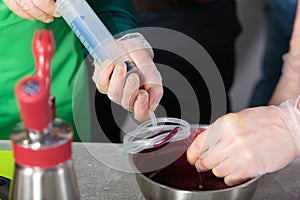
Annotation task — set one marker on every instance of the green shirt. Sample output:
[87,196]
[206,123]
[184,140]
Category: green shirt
[16,59]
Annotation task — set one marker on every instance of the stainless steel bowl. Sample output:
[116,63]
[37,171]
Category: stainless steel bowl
[156,191]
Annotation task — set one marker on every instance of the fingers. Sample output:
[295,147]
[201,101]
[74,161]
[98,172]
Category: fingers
[151,81]
[117,82]
[42,10]
[140,57]
[131,90]
[17,9]
[214,158]
[195,149]
[138,92]
[234,174]
[150,77]
[48,6]
[155,95]
[224,169]
[141,108]
[235,179]
[238,169]
[205,142]
[36,12]
[112,81]
[102,75]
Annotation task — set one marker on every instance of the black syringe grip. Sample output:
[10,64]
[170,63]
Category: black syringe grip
[130,67]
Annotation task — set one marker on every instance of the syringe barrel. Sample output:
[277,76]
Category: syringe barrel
[91,31]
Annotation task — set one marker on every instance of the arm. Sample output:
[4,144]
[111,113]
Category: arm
[289,82]
[118,16]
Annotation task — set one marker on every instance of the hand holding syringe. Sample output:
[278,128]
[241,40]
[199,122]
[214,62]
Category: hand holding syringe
[139,91]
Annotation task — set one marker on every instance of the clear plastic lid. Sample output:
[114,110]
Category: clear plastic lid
[154,133]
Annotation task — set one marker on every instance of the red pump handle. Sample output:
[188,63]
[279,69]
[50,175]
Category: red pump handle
[43,49]
[33,92]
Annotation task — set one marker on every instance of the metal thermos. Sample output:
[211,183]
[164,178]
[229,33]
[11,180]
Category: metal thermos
[44,169]
[42,145]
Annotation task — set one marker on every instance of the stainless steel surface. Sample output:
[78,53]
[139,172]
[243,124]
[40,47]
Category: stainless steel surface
[37,184]
[154,191]
[57,133]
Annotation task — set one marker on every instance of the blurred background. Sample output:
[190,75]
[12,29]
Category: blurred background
[250,45]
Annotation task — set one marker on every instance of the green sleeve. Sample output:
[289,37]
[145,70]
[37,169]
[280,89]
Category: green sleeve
[117,15]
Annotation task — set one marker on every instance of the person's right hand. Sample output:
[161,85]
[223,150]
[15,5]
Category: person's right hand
[249,143]
[42,10]
[142,90]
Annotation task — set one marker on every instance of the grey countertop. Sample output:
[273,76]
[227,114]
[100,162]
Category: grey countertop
[98,179]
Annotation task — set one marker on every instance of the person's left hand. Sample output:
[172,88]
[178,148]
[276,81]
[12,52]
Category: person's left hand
[250,143]
[42,10]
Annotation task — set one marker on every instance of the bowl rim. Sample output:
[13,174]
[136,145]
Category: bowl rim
[243,185]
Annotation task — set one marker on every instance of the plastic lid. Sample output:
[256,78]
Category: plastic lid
[149,135]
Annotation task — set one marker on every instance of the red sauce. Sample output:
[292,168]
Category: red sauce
[178,174]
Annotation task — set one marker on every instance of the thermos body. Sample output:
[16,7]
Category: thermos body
[53,183]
